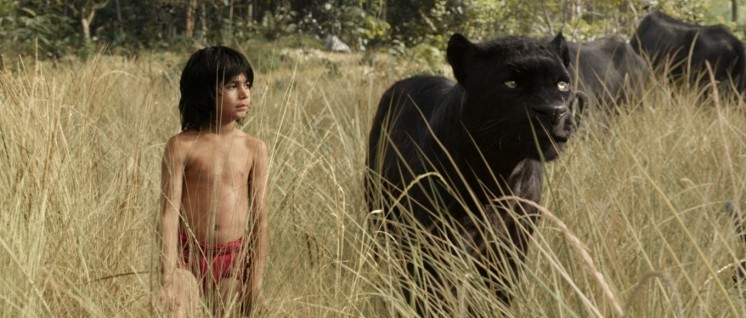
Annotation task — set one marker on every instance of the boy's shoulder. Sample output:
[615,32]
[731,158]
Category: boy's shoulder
[183,138]
[181,143]
[252,142]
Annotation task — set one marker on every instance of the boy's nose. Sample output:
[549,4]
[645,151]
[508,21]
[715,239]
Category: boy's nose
[244,92]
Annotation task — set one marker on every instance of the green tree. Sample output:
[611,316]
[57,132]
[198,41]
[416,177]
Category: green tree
[35,28]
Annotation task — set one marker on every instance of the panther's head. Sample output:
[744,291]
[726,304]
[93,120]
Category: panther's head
[519,97]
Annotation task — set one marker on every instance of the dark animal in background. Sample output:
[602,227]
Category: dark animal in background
[608,71]
[667,40]
[739,220]
[486,136]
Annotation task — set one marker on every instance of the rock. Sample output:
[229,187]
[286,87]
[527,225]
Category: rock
[334,44]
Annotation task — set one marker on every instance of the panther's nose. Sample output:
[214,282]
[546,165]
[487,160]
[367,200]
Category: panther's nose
[554,113]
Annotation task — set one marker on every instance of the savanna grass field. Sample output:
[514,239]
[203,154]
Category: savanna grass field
[635,221]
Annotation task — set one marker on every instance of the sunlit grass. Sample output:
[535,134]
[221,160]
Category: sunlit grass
[635,212]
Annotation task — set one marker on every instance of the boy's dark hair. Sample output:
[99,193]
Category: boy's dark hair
[201,79]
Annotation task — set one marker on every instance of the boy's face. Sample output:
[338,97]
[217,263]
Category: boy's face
[234,99]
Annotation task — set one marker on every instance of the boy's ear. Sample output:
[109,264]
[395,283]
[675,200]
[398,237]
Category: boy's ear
[459,48]
[560,46]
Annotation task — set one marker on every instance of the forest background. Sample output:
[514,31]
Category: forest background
[57,28]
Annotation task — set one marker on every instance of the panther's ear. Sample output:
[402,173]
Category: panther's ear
[458,48]
[560,45]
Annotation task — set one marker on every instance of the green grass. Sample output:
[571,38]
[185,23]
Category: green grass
[635,212]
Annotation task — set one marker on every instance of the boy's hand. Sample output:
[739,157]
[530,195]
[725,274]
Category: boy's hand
[168,298]
[180,297]
[167,295]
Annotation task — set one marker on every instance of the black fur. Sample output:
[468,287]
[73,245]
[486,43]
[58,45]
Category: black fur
[665,39]
[608,70]
[484,138]
[735,211]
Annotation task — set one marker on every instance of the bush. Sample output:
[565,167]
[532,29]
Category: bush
[30,31]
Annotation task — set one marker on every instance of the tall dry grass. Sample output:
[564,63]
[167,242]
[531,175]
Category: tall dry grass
[635,222]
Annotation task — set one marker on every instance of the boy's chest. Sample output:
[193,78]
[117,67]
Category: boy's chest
[223,164]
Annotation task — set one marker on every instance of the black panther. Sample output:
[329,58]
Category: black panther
[443,152]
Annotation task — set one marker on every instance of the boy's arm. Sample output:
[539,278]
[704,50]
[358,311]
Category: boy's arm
[260,230]
[172,176]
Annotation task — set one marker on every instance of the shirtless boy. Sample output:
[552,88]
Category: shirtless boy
[214,178]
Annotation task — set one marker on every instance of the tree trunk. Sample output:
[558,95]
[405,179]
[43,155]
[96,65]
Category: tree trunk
[547,17]
[249,11]
[573,10]
[119,16]
[230,13]
[86,18]
[86,25]
[191,8]
[203,20]
[734,10]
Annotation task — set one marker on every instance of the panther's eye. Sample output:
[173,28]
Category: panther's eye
[563,86]
[511,84]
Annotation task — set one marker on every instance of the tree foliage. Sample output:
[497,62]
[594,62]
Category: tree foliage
[58,27]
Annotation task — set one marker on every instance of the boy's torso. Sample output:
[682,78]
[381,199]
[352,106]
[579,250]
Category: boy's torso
[215,195]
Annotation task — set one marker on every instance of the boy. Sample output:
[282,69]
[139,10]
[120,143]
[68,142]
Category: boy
[214,179]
